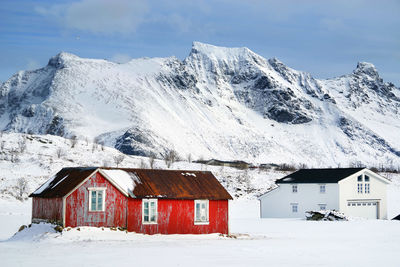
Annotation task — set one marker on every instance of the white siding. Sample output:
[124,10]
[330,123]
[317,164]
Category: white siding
[348,192]
[278,202]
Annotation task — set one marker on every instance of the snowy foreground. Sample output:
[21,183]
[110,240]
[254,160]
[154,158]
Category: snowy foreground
[259,242]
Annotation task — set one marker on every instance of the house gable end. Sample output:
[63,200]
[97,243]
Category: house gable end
[369,173]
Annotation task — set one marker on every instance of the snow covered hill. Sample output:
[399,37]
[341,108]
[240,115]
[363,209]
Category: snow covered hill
[27,161]
[226,103]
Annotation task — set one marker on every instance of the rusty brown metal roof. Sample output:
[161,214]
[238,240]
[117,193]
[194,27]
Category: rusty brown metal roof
[178,184]
[171,184]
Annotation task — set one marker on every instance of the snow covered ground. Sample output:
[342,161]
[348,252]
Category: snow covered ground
[260,242]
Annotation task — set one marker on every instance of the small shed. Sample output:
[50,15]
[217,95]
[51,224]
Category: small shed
[139,200]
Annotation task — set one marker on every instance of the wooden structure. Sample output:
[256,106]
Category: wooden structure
[139,200]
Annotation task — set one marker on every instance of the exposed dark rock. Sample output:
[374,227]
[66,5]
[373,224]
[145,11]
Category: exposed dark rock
[139,142]
[22,228]
[57,61]
[29,111]
[181,77]
[355,131]
[283,115]
[325,215]
[56,126]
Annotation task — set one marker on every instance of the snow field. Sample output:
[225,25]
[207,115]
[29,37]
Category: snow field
[276,242]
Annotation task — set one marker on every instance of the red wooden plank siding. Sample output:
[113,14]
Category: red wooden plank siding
[47,209]
[77,206]
[177,217]
[174,215]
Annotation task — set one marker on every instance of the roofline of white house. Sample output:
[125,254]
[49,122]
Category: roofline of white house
[259,197]
[383,179]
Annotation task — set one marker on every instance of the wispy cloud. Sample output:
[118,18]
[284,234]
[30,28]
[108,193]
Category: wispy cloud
[99,16]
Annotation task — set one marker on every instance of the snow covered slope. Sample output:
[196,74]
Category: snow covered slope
[28,161]
[226,103]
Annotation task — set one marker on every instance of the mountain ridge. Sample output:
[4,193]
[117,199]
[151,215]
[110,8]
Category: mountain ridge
[228,103]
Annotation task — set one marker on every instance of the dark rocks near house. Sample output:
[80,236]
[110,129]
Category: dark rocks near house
[326,215]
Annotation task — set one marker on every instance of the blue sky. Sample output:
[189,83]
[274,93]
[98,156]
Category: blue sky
[325,38]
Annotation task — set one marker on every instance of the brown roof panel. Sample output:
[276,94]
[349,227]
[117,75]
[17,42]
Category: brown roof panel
[178,184]
[63,182]
[172,184]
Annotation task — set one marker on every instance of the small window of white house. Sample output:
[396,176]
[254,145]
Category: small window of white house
[366,188]
[322,206]
[97,197]
[149,211]
[359,178]
[359,188]
[322,189]
[294,207]
[201,211]
[366,178]
[294,188]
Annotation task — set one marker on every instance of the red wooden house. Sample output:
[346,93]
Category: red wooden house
[140,200]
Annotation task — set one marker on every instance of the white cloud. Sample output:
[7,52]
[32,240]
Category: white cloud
[120,58]
[99,16]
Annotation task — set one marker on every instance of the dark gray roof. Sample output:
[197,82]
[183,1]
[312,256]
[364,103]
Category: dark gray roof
[397,218]
[310,176]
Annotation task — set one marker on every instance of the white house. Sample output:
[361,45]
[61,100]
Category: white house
[356,192]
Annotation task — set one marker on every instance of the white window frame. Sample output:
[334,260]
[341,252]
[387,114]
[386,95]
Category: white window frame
[295,207]
[201,201]
[150,200]
[295,188]
[322,206]
[359,188]
[91,189]
[322,191]
[367,189]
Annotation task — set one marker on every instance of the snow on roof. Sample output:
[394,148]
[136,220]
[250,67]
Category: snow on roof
[188,174]
[46,184]
[60,181]
[125,180]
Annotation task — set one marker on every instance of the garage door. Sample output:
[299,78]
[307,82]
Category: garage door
[364,209]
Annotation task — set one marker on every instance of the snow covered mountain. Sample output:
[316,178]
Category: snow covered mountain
[227,103]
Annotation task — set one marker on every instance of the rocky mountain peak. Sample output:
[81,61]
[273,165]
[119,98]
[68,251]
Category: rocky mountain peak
[365,68]
[218,51]
[61,59]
